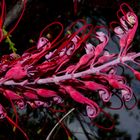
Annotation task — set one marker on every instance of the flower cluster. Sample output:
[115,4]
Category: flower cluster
[72,64]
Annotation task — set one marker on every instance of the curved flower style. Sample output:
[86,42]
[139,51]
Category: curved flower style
[53,70]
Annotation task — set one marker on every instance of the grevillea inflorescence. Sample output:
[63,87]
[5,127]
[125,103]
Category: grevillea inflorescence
[70,65]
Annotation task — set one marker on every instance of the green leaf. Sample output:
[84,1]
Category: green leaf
[69,138]
[8,40]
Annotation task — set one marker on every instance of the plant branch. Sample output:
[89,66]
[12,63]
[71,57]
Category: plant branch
[14,13]
[69,112]
[57,79]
